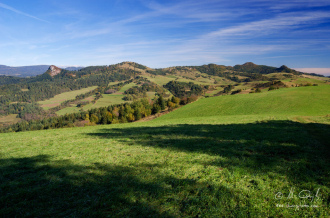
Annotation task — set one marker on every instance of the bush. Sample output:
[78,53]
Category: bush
[82,103]
[271,88]
[155,108]
[236,92]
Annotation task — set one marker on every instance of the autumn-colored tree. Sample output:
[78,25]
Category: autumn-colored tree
[129,109]
[137,113]
[94,118]
[170,105]
[130,117]
[175,100]
[161,102]
[115,112]
[155,108]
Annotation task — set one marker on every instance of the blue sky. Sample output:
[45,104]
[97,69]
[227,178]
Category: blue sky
[167,33]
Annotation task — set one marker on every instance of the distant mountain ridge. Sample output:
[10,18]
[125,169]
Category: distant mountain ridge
[27,71]
[23,71]
[212,69]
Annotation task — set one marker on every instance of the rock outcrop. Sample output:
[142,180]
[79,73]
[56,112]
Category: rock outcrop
[53,70]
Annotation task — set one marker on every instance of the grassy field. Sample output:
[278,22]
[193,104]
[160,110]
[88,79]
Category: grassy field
[159,80]
[126,87]
[227,156]
[11,118]
[162,80]
[151,95]
[58,99]
[68,110]
[108,99]
[114,83]
[277,104]
[201,81]
[308,80]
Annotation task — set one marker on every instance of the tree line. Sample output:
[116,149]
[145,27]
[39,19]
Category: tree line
[120,113]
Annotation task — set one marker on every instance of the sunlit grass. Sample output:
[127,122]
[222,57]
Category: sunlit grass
[226,160]
[127,86]
[11,118]
[285,102]
[58,99]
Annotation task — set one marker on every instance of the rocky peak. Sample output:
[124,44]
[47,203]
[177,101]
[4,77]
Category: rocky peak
[53,70]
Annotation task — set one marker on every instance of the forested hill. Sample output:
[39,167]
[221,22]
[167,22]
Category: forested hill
[55,80]
[21,98]
[212,69]
[47,85]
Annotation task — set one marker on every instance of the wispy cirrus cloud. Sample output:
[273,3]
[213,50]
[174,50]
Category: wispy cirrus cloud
[291,4]
[162,33]
[267,26]
[197,11]
[4,6]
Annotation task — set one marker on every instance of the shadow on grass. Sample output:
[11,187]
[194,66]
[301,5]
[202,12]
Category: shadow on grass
[295,150]
[39,187]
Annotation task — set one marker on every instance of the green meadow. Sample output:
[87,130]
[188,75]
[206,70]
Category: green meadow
[159,79]
[285,103]
[58,99]
[253,155]
[68,110]
[106,100]
[127,86]
[11,118]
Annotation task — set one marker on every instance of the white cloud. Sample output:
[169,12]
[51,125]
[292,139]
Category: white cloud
[280,5]
[267,26]
[20,12]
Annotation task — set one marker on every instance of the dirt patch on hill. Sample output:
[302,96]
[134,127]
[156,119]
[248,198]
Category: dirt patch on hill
[91,98]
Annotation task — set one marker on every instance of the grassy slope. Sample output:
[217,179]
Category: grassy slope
[170,169]
[58,99]
[277,104]
[68,110]
[127,86]
[11,118]
[106,100]
[160,80]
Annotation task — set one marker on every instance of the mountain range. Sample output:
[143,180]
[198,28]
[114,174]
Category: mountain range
[34,70]
[27,71]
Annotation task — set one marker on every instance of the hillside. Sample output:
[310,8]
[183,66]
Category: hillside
[278,104]
[128,81]
[233,155]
